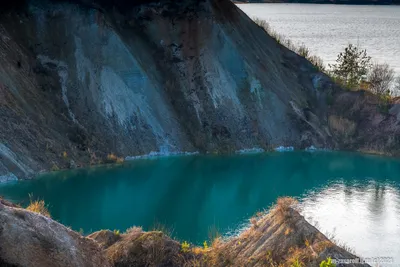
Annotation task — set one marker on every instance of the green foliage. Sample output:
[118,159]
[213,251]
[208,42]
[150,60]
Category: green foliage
[54,168]
[297,263]
[384,103]
[185,247]
[327,263]
[351,67]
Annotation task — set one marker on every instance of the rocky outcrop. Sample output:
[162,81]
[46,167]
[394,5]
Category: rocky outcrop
[361,121]
[279,237]
[30,239]
[79,81]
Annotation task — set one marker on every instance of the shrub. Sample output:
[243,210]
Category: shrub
[317,62]
[351,66]
[297,263]
[327,263]
[283,206]
[54,168]
[112,158]
[185,247]
[381,79]
[205,245]
[116,232]
[38,206]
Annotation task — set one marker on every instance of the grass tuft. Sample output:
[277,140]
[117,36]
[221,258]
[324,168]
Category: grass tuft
[38,206]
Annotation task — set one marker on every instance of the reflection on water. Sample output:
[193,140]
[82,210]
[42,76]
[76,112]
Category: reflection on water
[364,215]
[354,196]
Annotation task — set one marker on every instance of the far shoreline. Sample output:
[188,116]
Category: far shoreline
[322,2]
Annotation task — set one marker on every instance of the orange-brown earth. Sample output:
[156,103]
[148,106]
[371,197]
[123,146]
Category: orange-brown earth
[277,238]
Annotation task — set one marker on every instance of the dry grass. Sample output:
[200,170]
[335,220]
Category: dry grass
[342,126]
[38,206]
[299,49]
[283,207]
[134,230]
[112,158]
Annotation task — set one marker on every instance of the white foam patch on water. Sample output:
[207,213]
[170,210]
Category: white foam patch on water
[62,70]
[254,150]
[160,154]
[284,148]
[313,148]
[9,177]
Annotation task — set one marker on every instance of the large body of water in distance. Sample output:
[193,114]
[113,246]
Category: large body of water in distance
[327,29]
[355,197]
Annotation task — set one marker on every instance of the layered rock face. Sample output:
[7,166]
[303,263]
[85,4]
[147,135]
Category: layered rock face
[79,81]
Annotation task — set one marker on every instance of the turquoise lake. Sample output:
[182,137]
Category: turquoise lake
[352,196]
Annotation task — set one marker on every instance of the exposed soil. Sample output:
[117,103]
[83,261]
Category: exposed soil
[277,238]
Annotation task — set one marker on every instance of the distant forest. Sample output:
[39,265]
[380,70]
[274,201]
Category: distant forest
[348,2]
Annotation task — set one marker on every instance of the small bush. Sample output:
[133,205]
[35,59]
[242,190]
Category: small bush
[185,247]
[327,263]
[381,79]
[54,168]
[205,245]
[116,232]
[38,206]
[297,263]
[283,206]
[351,67]
[317,62]
[112,158]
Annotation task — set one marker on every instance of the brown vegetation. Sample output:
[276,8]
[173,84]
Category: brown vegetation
[38,206]
[299,49]
[280,237]
[112,158]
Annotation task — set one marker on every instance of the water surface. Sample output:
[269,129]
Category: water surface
[355,197]
[327,29]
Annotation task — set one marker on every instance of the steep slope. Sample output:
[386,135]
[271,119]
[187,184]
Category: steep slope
[276,238]
[80,81]
[30,239]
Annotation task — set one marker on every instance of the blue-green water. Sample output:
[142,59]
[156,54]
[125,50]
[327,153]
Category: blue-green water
[356,197]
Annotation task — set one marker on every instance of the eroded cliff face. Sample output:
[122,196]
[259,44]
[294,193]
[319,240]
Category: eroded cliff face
[78,82]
